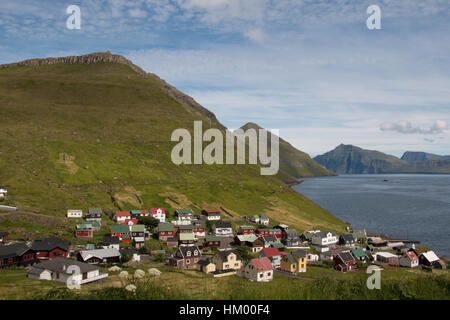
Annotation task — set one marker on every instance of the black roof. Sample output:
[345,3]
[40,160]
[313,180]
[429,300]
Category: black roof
[172,239]
[50,244]
[223,224]
[107,240]
[3,234]
[61,265]
[13,250]
[204,262]
[191,249]
[223,255]
[270,237]
[348,237]
[346,257]
[300,253]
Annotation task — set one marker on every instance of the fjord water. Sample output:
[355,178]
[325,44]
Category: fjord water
[400,205]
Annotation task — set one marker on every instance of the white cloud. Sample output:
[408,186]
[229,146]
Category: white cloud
[406,127]
[137,13]
[256,35]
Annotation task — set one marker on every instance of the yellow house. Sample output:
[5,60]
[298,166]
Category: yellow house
[300,257]
[206,266]
[288,263]
[226,260]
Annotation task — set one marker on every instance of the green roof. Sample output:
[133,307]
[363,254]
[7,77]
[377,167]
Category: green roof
[94,223]
[126,236]
[277,245]
[90,246]
[247,227]
[138,228]
[186,236]
[95,210]
[291,258]
[165,227]
[84,227]
[212,238]
[135,211]
[358,252]
[120,229]
[184,211]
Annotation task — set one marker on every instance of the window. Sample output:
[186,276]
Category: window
[188,253]
[269,274]
[260,275]
[188,261]
[226,266]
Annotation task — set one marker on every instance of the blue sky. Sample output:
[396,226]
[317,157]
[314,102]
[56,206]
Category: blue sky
[310,68]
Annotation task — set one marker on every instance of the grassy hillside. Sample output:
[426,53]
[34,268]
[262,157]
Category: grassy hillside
[83,135]
[293,162]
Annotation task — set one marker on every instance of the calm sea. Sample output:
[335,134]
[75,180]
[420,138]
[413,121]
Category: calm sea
[402,206]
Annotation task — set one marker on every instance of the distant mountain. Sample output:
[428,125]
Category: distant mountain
[293,162]
[349,159]
[418,156]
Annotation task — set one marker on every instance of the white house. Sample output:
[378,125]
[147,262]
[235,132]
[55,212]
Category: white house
[184,214]
[109,243]
[74,213]
[409,259]
[255,218]
[264,220]
[324,238]
[212,215]
[310,257]
[67,271]
[159,213]
[260,270]
[3,192]
[223,228]
[121,216]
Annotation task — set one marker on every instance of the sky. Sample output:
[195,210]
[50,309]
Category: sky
[310,68]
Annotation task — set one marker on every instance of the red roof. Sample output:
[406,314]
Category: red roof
[412,256]
[156,209]
[262,264]
[143,211]
[134,221]
[271,252]
[212,211]
[123,214]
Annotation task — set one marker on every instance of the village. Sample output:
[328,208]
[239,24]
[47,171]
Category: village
[251,248]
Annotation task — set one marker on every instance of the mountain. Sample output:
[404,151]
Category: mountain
[349,159]
[418,156]
[95,131]
[293,162]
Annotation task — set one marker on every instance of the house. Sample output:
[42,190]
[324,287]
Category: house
[159,214]
[109,243]
[84,231]
[138,235]
[344,262]
[428,259]
[211,241]
[290,238]
[310,257]
[264,219]
[94,214]
[359,254]
[75,214]
[18,254]
[184,214]
[245,230]
[223,228]
[227,260]
[146,213]
[260,270]
[189,228]
[300,257]
[130,222]
[324,238]
[288,263]
[255,219]
[250,240]
[50,248]
[135,213]
[409,259]
[186,239]
[387,257]
[186,257]
[198,228]
[328,255]
[306,236]
[320,248]
[66,271]
[3,192]
[165,230]
[206,266]
[211,215]
[270,241]
[4,237]
[226,243]
[121,231]
[172,242]
[99,256]
[96,225]
[134,254]
[269,232]
[347,239]
[377,242]
[359,235]
[274,256]
[122,216]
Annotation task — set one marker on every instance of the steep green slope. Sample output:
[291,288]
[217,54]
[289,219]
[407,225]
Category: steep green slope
[93,133]
[348,159]
[293,162]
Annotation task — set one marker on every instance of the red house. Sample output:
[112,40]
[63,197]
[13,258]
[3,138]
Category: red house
[165,230]
[131,222]
[269,232]
[18,254]
[50,248]
[123,232]
[245,230]
[344,262]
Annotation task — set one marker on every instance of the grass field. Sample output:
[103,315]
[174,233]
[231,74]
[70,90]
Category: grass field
[182,284]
